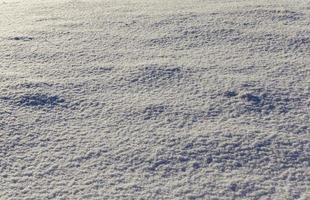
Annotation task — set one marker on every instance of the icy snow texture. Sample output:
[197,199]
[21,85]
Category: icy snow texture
[197,99]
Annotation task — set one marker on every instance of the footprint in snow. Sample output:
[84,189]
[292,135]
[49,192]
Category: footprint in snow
[21,38]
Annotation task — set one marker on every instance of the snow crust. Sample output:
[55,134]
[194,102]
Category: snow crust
[194,99]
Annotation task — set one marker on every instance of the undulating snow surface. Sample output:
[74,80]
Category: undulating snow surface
[192,99]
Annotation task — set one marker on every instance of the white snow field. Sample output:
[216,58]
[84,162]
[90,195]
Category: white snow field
[165,99]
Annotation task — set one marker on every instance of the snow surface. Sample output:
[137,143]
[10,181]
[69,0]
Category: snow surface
[191,99]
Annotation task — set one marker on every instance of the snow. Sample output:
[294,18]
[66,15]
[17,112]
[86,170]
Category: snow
[193,99]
